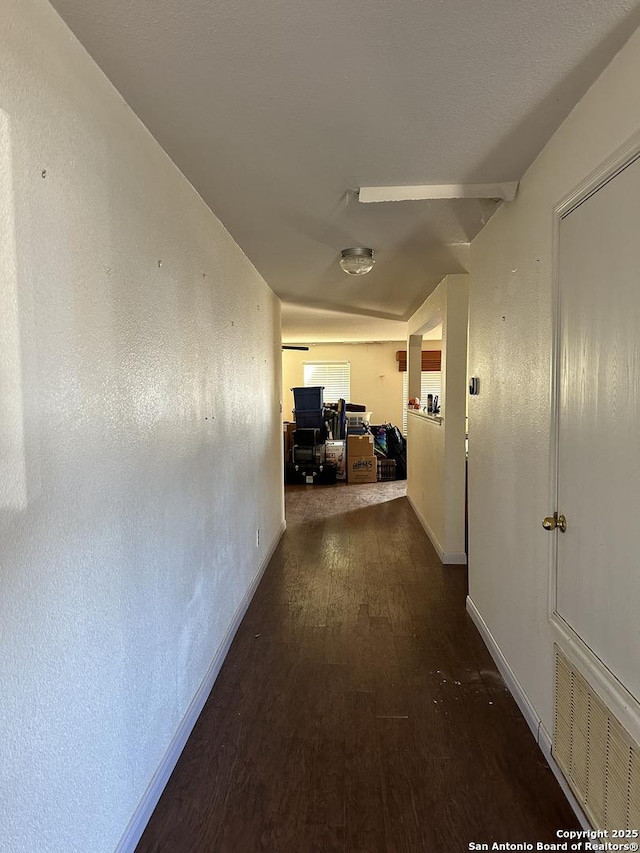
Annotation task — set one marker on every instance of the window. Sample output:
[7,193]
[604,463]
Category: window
[334,375]
[430,383]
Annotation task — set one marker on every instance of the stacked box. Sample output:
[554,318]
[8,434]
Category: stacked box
[336,451]
[361,461]
[308,398]
[360,445]
[309,418]
[361,469]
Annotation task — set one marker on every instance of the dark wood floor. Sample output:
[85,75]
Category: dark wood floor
[358,709]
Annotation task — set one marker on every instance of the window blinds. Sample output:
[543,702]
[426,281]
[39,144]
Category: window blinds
[334,375]
[430,383]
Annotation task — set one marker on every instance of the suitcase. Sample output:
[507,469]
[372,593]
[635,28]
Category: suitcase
[310,475]
[327,474]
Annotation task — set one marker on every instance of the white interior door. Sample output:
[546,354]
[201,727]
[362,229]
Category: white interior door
[598,570]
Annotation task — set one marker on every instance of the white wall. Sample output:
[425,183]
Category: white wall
[436,451]
[138,473]
[426,475]
[376,381]
[510,350]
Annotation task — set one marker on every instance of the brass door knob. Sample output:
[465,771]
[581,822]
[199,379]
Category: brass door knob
[554,521]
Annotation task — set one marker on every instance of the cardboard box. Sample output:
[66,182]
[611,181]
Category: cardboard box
[359,445]
[336,452]
[362,469]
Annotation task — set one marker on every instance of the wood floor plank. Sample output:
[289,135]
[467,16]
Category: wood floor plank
[322,839]
[402,777]
[358,710]
[399,610]
[376,592]
[365,831]
[327,793]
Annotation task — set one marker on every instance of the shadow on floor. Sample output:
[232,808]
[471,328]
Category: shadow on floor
[312,503]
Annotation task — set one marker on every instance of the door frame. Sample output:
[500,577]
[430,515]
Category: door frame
[621,702]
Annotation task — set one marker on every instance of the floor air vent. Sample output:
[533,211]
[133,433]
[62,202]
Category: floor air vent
[598,757]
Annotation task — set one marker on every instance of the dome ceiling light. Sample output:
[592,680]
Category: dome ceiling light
[357,261]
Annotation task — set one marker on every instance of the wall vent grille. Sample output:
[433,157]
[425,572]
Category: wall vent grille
[598,757]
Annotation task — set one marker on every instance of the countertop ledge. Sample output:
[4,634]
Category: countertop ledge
[436,419]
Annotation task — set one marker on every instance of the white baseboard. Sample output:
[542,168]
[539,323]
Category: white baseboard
[515,688]
[543,739]
[142,814]
[455,558]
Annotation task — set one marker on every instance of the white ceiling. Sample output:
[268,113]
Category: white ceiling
[275,111]
[316,325]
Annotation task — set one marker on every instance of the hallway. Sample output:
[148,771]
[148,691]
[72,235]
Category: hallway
[358,709]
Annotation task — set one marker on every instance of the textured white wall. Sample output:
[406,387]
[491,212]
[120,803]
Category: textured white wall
[510,350]
[454,365]
[375,379]
[426,474]
[142,441]
[436,454]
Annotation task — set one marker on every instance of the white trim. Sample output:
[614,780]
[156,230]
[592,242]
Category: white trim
[612,692]
[534,722]
[450,558]
[622,704]
[144,810]
[420,413]
[515,688]
[554,410]
[609,168]
[454,558]
[619,160]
